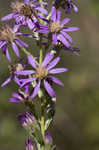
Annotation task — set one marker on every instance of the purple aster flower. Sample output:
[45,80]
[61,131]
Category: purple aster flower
[9,35]
[57,29]
[26,13]
[13,76]
[27,119]
[68,5]
[43,73]
[20,96]
[30,145]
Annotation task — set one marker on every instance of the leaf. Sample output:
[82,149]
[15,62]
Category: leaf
[47,123]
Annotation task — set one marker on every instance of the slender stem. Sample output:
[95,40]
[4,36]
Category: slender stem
[43,127]
[25,51]
[42,105]
[41,51]
[42,122]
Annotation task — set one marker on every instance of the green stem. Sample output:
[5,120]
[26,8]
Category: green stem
[41,51]
[42,121]
[43,128]
[25,51]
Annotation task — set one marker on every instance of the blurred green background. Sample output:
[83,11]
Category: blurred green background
[76,125]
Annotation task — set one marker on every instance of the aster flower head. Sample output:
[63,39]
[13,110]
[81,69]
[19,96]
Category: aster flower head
[57,28]
[30,145]
[26,13]
[26,119]
[13,75]
[43,74]
[11,36]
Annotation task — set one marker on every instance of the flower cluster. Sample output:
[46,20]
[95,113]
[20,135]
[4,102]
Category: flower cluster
[36,76]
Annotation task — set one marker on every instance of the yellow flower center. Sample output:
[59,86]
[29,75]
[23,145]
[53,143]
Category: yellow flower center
[55,27]
[6,33]
[22,8]
[41,72]
[27,11]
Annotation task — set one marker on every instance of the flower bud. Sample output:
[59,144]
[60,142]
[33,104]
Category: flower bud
[26,119]
[30,145]
[48,138]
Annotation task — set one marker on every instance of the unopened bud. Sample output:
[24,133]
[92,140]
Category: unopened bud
[48,138]
[26,119]
[30,145]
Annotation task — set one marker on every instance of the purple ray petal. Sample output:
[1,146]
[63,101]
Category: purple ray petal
[42,26]
[42,10]
[54,38]
[36,89]
[63,40]
[7,17]
[7,55]
[30,24]
[75,8]
[58,15]
[16,80]
[2,43]
[65,21]
[26,89]
[49,89]
[56,80]
[58,70]
[27,2]
[21,43]
[27,81]
[14,100]
[16,95]
[5,51]
[25,72]
[15,48]
[7,81]
[42,31]
[53,63]
[42,17]
[70,29]
[25,34]
[67,36]
[47,59]
[43,3]
[32,61]
[16,28]
[53,14]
